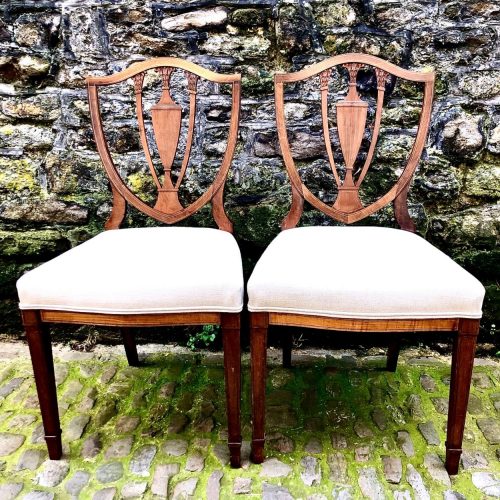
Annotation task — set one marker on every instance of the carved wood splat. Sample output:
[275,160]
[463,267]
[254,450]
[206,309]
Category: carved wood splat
[166,117]
[351,120]
[351,123]
[382,77]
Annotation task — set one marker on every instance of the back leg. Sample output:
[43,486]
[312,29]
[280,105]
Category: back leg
[128,337]
[393,353]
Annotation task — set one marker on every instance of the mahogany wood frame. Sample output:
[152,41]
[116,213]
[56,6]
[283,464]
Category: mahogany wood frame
[348,208]
[170,211]
[166,210]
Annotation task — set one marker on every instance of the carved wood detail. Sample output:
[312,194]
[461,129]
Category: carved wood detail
[324,77]
[192,86]
[166,120]
[166,117]
[138,82]
[351,122]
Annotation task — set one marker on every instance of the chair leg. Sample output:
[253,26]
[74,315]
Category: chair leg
[464,347]
[40,348]
[230,325]
[286,342]
[128,337]
[393,353]
[258,344]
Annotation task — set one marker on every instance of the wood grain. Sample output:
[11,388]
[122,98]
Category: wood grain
[166,116]
[464,347]
[364,325]
[83,318]
[351,120]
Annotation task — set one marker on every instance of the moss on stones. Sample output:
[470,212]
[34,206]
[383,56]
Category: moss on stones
[483,180]
[481,84]
[475,227]
[257,224]
[43,107]
[34,245]
[142,185]
[18,175]
[258,82]
[248,18]
[335,14]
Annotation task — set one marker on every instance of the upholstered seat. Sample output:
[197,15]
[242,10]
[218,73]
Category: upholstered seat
[143,270]
[361,272]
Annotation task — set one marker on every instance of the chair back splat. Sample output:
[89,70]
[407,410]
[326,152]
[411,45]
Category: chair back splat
[166,117]
[351,115]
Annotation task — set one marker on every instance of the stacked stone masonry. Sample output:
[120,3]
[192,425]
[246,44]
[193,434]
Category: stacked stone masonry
[53,190]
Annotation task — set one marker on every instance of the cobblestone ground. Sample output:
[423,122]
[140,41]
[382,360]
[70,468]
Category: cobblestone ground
[338,427]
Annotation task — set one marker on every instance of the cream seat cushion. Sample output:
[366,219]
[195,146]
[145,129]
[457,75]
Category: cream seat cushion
[144,270]
[361,272]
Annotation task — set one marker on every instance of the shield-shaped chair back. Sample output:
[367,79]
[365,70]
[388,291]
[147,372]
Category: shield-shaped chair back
[351,118]
[166,117]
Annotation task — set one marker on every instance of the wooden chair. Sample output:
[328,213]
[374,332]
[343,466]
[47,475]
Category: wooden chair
[370,279]
[146,277]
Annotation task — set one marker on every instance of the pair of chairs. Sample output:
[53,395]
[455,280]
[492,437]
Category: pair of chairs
[336,278]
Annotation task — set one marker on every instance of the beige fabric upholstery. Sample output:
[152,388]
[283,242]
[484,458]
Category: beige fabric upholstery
[361,272]
[145,270]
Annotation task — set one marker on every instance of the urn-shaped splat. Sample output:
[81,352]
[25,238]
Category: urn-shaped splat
[166,118]
[351,122]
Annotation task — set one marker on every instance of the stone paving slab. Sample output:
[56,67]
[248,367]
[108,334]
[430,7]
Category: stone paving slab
[337,429]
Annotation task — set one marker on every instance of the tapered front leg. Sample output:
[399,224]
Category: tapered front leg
[464,347]
[258,344]
[43,368]
[393,353]
[128,337]
[230,324]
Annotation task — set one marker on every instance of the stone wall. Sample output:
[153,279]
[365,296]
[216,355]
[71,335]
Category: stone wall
[53,191]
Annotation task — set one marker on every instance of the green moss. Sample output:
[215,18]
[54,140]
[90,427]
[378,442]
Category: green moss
[36,245]
[18,175]
[337,44]
[405,115]
[257,224]
[248,18]
[258,84]
[482,181]
[338,13]
[142,185]
[337,397]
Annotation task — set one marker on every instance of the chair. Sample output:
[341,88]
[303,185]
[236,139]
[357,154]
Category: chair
[150,276]
[370,279]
